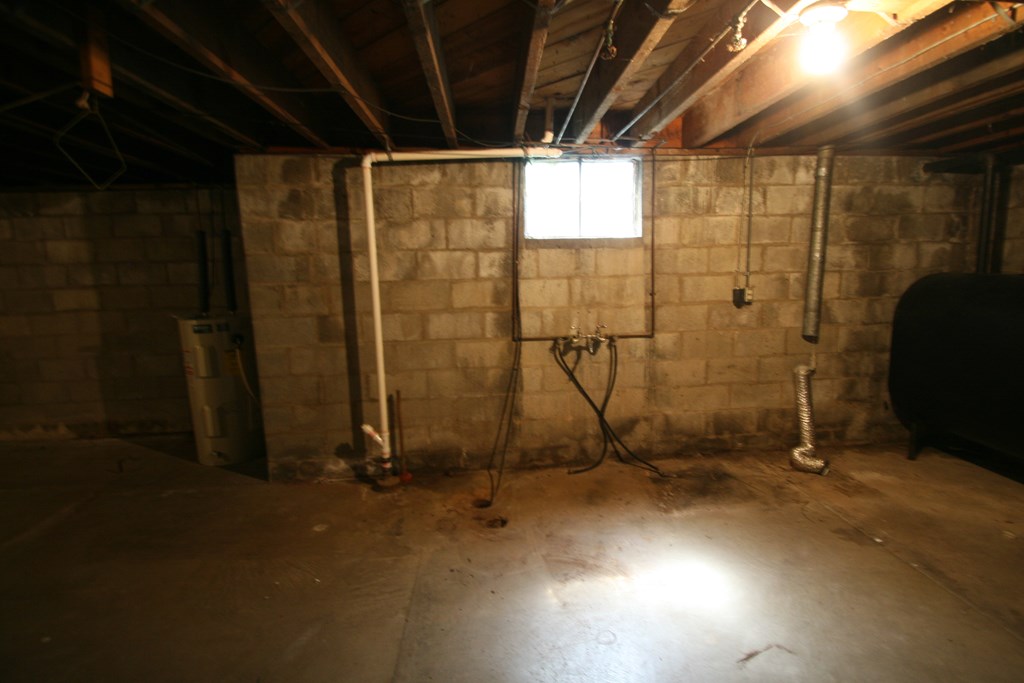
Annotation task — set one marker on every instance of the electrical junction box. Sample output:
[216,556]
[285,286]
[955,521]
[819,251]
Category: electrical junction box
[221,372]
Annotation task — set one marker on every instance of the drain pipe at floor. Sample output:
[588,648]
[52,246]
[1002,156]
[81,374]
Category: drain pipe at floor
[383,437]
[803,458]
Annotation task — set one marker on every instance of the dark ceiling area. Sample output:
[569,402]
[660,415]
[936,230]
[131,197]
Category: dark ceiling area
[168,91]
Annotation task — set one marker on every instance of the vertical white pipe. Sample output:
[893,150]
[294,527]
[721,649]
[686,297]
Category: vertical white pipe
[371,238]
[378,326]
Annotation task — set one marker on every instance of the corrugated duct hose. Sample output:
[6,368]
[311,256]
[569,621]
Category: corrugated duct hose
[803,458]
[560,348]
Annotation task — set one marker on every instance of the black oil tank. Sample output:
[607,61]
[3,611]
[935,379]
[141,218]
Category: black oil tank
[957,363]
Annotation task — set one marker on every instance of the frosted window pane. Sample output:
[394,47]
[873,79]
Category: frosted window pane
[552,200]
[607,207]
[588,198]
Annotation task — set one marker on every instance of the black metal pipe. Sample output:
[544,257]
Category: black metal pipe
[202,266]
[986,232]
[818,244]
[231,299]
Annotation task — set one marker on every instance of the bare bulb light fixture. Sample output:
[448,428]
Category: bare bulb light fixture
[822,50]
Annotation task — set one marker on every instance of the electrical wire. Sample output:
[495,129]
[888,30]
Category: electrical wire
[503,435]
[748,170]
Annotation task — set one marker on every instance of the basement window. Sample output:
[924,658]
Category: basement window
[582,199]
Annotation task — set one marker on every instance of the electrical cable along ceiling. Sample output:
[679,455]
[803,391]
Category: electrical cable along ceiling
[155,91]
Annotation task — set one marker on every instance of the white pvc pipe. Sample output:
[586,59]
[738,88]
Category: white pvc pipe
[371,237]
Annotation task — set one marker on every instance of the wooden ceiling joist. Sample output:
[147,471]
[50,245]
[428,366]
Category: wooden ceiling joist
[531,66]
[995,79]
[319,36]
[119,122]
[706,63]
[208,116]
[774,75]
[928,44]
[639,27]
[427,38]
[72,139]
[227,53]
[946,131]
[1006,139]
[94,55]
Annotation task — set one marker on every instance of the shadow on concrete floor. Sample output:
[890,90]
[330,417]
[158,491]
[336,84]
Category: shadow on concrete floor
[182,446]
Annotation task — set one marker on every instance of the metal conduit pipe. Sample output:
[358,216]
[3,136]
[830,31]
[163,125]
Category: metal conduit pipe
[818,244]
[383,438]
[803,458]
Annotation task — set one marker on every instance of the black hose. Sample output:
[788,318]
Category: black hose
[504,433]
[202,269]
[610,438]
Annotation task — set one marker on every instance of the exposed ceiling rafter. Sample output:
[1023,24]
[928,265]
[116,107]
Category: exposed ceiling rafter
[927,45]
[995,80]
[222,49]
[320,38]
[427,38]
[635,32]
[766,81]
[531,65]
[706,63]
[209,116]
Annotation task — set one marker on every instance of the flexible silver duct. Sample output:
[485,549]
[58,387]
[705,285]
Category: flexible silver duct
[803,457]
[819,243]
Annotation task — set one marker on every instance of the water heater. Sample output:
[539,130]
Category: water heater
[219,371]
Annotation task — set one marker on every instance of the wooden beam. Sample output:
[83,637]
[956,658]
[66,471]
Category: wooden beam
[929,43]
[94,57]
[209,116]
[943,131]
[1006,138]
[318,34]
[705,62]
[425,35]
[940,99]
[225,51]
[135,128]
[639,27]
[22,154]
[47,133]
[774,76]
[531,65]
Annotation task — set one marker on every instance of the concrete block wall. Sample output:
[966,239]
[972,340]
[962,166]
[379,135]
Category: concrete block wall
[88,345]
[1013,252]
[291,227]
[713,377]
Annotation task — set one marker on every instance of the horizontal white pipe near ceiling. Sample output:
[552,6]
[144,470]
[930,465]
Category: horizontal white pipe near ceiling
[371,237]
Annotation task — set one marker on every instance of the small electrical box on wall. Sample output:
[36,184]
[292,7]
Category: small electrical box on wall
[742,296]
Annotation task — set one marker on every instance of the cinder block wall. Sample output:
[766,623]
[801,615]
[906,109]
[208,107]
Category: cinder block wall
[88,345]
[713,377]
[1013,253]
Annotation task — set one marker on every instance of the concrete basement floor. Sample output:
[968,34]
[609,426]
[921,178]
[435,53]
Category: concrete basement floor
[122,562]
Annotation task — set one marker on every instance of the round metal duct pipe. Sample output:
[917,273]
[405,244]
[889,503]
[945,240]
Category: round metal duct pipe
[818,245]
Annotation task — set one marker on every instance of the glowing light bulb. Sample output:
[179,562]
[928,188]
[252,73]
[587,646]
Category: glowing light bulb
[822,50]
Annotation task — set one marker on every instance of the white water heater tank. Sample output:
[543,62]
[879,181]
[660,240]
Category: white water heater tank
[220,374]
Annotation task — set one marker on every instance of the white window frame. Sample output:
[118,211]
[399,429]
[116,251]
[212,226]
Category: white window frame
[564,230]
